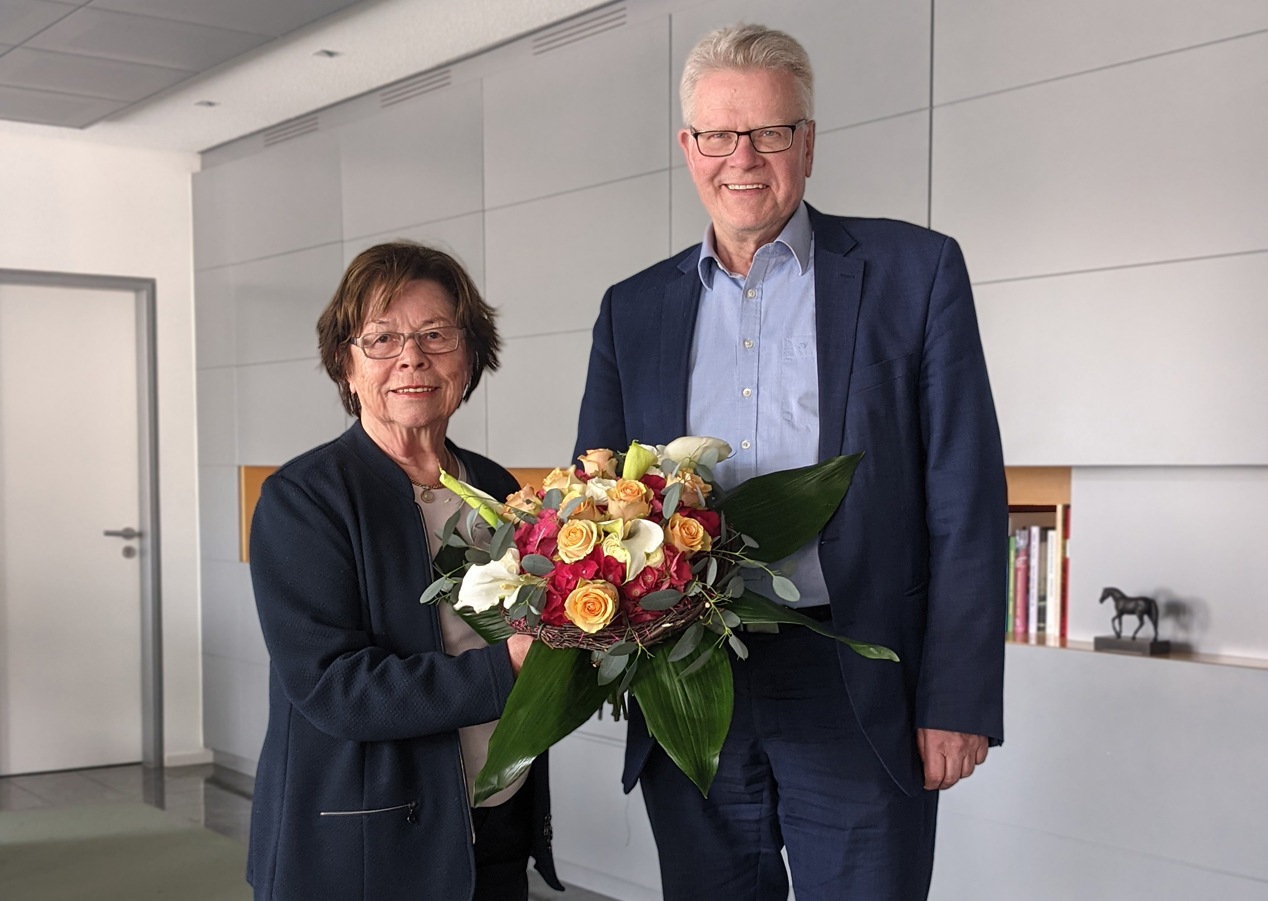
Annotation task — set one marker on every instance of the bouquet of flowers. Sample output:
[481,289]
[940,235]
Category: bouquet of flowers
[629,569]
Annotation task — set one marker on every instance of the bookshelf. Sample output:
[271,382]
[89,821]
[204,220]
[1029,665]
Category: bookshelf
[1038,568]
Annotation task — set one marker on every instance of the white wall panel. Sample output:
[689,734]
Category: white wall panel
[602,838]
[552,279]
[217,417]
[213,317]
[981,860]
[587,113]
[461,237]
[220,608]
[285,198]
[218,512]
[415,162]
[1138,756]
[1191,538]
[285,409]
[1159,160]
[221,712]
[253,701]
[1148,365]
[879,169]
[535,398]
[688,219]
[989,45]
[277,301]
[468,427]
[870,59]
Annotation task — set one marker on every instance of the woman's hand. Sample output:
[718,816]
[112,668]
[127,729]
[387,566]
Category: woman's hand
[518,646]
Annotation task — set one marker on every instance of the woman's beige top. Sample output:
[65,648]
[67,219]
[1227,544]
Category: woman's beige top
[459,637]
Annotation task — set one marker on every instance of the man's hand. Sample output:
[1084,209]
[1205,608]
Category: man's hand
[517,645]
[949,756]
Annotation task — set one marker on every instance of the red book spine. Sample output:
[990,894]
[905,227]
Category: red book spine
[1065,573]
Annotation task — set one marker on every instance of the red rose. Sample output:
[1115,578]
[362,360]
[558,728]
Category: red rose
[654,482]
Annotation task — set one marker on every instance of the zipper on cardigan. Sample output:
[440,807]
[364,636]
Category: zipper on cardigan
[411,815]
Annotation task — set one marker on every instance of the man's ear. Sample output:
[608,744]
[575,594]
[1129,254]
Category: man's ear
[810,146]
[684,141]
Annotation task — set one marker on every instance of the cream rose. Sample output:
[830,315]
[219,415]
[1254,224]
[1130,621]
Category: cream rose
[577,537]
[629,500]
[694,488]
[591,605]
[687,535]
[563,479]
[584,510]
[600,462]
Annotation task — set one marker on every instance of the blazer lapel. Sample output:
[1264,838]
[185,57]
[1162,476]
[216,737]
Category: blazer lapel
[680,302]
[838,297]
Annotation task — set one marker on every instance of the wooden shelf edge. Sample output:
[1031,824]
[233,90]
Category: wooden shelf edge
[1074,644]
[1038,486]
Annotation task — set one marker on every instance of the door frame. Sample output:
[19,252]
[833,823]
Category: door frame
[148,514]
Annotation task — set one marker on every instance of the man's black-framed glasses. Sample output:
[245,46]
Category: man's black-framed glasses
[767,139]
[386,345]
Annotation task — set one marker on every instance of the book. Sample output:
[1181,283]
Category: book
[1051,606]
[1056,578]
[1011,611]
[1032,589]
[1021,582]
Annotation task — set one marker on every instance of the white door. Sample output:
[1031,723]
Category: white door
[70,601]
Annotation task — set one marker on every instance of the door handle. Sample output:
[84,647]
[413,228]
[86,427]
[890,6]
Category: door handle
[126,534]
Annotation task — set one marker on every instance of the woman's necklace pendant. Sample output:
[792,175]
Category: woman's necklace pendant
[425,495]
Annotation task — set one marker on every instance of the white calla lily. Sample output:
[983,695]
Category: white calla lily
[597,490]
[693,447]
[490,584]
[632,544]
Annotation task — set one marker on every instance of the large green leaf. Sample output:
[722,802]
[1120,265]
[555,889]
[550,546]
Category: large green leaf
[753,608]
[556,691]
[489,625]
[784,510]
[689,715]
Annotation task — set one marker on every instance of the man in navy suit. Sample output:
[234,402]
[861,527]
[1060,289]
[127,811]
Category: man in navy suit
[796,337]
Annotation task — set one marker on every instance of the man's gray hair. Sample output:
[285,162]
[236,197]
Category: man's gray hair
[747,47]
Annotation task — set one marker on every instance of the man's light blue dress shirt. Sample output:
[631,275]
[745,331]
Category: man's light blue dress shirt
[754,379]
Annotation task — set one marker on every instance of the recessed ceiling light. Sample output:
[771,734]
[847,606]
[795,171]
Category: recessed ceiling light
[206,103]
[327,54]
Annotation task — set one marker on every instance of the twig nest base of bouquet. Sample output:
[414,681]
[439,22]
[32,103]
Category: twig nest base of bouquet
[646,634]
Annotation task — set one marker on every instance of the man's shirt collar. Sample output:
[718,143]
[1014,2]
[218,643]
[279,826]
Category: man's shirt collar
[796,235]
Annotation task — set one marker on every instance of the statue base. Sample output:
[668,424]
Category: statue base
[1145,647]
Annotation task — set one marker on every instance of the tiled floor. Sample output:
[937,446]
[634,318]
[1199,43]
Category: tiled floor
[208,796]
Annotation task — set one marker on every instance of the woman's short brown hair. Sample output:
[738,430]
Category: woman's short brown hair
[376,278]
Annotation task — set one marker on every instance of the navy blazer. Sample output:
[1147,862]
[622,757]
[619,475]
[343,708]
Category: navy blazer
[360,791]
[915,557]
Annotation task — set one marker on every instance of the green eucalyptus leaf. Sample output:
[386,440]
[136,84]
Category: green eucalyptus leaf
[628,679]
[753,608]
[738,646]
[552,499]
[661,600]
[735,587]
[715,624]
[623,647]
[711,571]
[785,588]
[784,510]
[748,540]
[477,556]
[433,591]
[732,621]
[517,610]
[687,642]
[670,499]
[503,539]
[554,693]
[447,530]
[537,565]
[571,507]
[688,717]
[610,667]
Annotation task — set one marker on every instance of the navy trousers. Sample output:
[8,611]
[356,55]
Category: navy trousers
[795,772]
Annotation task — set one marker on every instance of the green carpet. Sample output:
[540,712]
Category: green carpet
[116,852]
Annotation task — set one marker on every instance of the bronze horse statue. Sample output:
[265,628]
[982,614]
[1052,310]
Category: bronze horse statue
[1142,608]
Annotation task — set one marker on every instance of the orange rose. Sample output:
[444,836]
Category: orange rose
[525,500]
[591,605]
[694,488]
[600,462]
[687,535]
[583,510]
[628,500]
[577,537]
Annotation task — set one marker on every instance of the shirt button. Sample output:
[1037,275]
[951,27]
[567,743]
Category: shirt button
[750,294]
[747,392]
[748,342]
[745,445]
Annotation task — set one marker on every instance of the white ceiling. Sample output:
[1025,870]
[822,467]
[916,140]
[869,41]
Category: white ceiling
[378,41]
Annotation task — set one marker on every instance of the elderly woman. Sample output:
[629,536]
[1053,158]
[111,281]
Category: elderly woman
[380,708]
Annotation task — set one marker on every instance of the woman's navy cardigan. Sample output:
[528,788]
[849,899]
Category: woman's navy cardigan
[364,705]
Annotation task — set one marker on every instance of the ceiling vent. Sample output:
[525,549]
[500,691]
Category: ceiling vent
[296,128]
[579,29]
[414,87]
